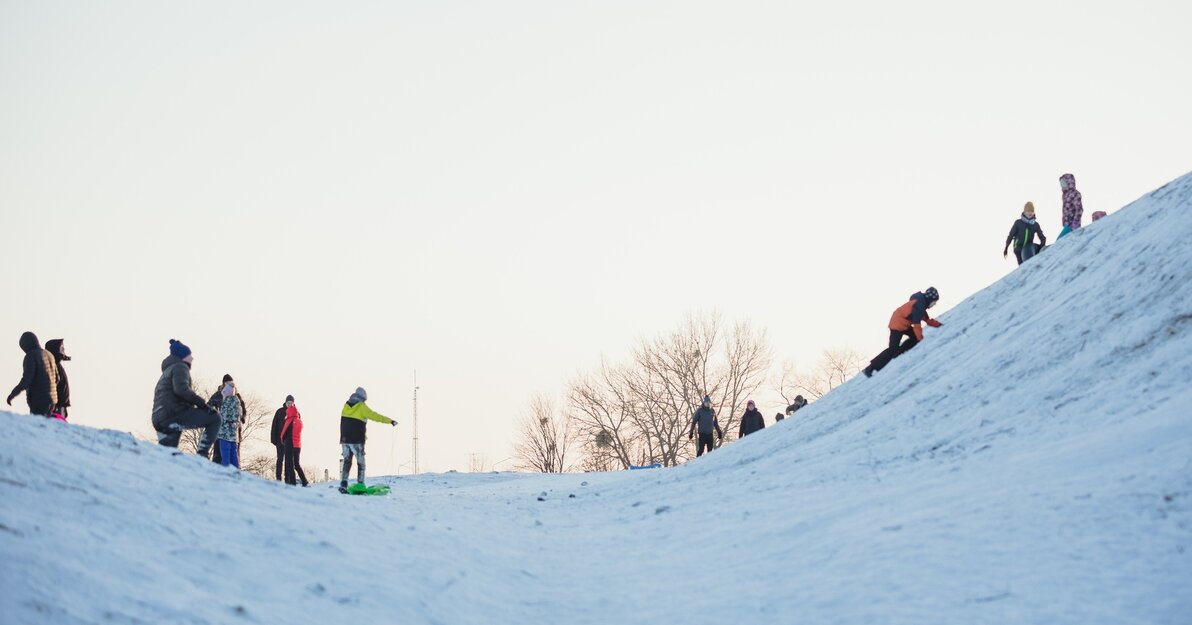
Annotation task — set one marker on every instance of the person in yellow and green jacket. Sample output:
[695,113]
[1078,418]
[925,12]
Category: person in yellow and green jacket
[353,419]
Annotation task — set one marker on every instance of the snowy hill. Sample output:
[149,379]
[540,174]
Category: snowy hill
[1030,462]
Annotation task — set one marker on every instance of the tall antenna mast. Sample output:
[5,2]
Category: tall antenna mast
[415,422]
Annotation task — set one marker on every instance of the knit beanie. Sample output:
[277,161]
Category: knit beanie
[289,398]
[178,349]
[707,399]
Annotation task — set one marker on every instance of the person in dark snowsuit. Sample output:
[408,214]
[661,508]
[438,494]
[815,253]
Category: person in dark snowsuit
[39,377]
[279,420]
[705,419]
[1073,205]
[352,423]
[176,405]
[1022,236]
[778,417]
[291,437]
[794,407]
[216,402]
[751,421]
[906,321]
[57,349]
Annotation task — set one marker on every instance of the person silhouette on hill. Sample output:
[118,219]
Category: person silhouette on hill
[751,421]
[906,322]
[176,405]
[352,422]
[39,377]
[1022,236]
[1073,205]
[705,419]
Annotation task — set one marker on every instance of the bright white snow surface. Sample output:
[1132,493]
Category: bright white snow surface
[1030,462]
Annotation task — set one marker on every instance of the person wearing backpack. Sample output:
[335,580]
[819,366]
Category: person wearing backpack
[291,438]
[1022,236]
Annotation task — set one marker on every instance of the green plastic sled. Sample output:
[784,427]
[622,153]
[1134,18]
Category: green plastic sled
[361,489]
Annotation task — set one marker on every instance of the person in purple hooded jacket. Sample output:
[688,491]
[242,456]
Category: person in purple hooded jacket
[1073,206]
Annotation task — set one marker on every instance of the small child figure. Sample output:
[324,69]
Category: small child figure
[229,426]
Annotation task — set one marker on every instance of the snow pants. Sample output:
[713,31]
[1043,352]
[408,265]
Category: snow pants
[705,440]
[293,463]
[228,454]
[170,432]
[349,450]
[281,458]
[896,348]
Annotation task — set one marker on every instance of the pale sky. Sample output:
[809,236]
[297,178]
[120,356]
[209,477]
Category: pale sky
[316,196]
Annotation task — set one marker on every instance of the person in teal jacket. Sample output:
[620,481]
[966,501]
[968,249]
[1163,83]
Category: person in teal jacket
[352,422]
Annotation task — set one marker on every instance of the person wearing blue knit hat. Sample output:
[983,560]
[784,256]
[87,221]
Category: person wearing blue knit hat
[176,405]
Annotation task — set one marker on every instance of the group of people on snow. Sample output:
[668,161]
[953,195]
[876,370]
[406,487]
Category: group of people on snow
[177,407]
[43,378]
[704,420]
[1025,229]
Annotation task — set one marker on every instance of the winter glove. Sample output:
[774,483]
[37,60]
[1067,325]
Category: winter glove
[10,398]
[690,435]
[933,323]
[393,423]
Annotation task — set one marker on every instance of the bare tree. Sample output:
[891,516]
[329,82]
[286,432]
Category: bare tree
[640,413]
[545,438]
[835,367]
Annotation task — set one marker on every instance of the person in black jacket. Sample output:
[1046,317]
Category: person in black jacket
[57,349]
[39,378]
[751,421]
[798,403]
[176,405]
[1022,235]
[279,419]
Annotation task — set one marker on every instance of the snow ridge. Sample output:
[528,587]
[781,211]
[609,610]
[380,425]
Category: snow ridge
[1030,461]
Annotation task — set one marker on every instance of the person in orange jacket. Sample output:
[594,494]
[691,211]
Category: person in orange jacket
[291,438]
[906,321]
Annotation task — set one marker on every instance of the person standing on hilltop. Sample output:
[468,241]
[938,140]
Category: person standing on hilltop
[906,321]
[751,421]
[279,420]
[1022,236]
[39,377]
[216,402]
[353,420]
[1073,204]
[229,425]
[57,349]
[705,419]
[291,437]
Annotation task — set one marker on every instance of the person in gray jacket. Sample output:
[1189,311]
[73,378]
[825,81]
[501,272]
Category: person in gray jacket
[176,405]
[705,419]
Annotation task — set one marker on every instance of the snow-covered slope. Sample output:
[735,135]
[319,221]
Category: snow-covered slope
[1030,462]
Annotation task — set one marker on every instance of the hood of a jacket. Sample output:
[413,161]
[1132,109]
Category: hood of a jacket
[29,342]
[172,360]
[54,346]
[1030,221]
[1068,182]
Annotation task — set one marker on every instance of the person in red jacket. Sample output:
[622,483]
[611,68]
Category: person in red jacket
[291,439]
[906,322]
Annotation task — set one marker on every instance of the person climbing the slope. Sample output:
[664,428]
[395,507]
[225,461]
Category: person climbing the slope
[906,321]
[1022,235]
[39,377]
[176,405]
[796,405]
[751,421]
[291,437]
[1073,205]
[229,425]
[57,349]
[705,419]
[279,421]
[352,422]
